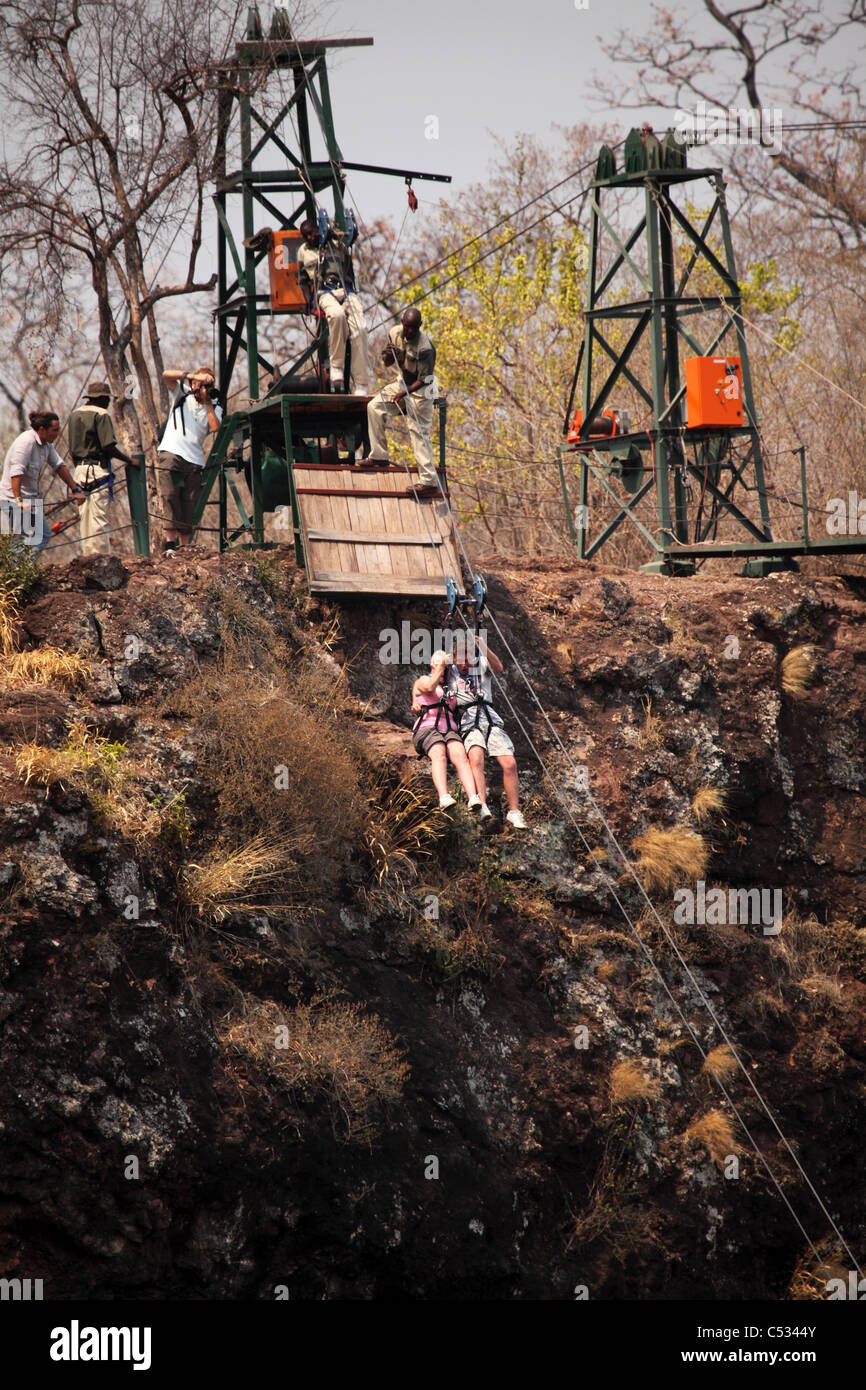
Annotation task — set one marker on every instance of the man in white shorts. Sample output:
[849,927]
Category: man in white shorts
[481,728]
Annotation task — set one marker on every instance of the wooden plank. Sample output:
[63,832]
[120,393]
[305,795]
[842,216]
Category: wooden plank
[337,583]
[350,559]
[355,537]
[321,518]
[372,511]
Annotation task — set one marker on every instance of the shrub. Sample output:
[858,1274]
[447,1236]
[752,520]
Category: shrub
[329,1049]
[223,882]
[707,803]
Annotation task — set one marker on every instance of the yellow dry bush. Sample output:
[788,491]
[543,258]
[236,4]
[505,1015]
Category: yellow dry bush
[44,666]
[8,622]
[716,1133]
[650,736]
[670,858]
[224,882]
[399,823]
[721,1062]
[629,1083]
[800,670]
[325,1048]
[707,803]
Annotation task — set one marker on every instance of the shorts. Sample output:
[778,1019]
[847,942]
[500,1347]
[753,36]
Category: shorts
[178,503]
[491,737]
[426,739]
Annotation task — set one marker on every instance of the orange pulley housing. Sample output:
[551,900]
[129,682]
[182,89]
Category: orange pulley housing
[603,426]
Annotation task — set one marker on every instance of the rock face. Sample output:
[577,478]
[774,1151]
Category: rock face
[485,1142]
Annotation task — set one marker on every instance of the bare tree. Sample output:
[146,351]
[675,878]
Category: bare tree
[802,46]
[112,108]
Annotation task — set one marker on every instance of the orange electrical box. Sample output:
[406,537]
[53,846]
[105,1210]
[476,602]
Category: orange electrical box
[283,259]
[714,392]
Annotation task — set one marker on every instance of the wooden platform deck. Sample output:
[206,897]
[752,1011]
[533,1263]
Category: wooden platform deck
[362,534]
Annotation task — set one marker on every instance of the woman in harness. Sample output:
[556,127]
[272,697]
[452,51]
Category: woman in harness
[481,728]
[435,732]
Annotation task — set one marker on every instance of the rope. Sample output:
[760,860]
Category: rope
[632,926]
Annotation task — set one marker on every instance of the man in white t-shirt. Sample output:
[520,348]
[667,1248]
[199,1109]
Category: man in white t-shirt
[20,503]
[181,456]
[481,728]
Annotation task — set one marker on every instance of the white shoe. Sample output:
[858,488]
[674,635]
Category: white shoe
[446,801]
[361,391]
[474,802]
[485,813]
[515,818]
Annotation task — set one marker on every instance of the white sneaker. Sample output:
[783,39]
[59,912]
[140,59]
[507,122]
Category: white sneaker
[446,801]
[474,802]
[515,818]
[485,813]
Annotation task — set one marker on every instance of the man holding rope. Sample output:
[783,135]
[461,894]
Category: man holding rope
[93,444]
[411,395]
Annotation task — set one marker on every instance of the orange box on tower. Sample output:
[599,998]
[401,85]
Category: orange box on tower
[283,261]
[714,392]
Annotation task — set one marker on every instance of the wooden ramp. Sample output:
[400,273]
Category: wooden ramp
[363,535]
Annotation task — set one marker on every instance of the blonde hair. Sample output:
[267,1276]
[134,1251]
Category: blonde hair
[439,658]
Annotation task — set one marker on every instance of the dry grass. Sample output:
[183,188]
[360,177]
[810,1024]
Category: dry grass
[629,1084]
[808,949]
[799,670]
[107,777]
[670,858]
[811,1276]
[8,621]
[399,823]
[722,1063]
[606,970]
[44,666]
[716,1133]
[708,803]
[228,881]
[650,735]
[822,988]
[329,1049]
[261,722]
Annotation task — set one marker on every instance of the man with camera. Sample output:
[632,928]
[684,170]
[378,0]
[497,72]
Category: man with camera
[194,415]
[326,276]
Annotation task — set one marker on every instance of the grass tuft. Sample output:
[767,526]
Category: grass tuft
[800,670]
[44,666]
[721,1062]
[629,1084]
[716,1133]
[224,882]
[668,858]
[707,803]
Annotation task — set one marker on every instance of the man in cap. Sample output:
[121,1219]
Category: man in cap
[93,444]
[326,276]
[194,415]
[411,395]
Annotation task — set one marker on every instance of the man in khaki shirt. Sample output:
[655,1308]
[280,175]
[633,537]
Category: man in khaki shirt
[93,444]
[414,354]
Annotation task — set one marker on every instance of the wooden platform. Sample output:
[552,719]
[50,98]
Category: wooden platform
[363,535]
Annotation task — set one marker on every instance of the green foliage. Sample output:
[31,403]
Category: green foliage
[19,568]
[505,330]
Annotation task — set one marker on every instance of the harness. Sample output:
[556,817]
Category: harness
[480,705]
[91,464]
[441,707]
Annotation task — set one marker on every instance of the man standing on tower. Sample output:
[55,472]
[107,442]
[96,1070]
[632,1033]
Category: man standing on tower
[411,395]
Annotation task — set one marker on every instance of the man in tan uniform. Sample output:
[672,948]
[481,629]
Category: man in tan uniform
[415,355]
[93,444]
[327,278]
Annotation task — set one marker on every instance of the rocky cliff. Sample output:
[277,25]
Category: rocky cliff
[272,1025]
